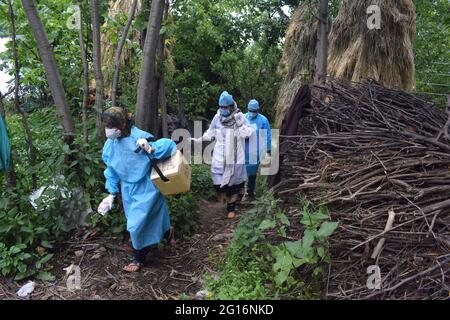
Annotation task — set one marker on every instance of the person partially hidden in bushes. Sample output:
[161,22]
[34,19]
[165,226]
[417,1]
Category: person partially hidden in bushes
[229,127]
[145,207]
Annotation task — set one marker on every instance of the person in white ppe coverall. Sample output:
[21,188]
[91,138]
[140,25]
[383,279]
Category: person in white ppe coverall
[229,128]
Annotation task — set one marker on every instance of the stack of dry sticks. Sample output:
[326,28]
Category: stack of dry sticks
[379,160]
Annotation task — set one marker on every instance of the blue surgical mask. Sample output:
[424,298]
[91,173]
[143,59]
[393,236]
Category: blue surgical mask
[224,112]
[112,133]
[253,114]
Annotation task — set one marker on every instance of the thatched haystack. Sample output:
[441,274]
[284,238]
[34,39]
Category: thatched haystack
[386,55]
[297,65]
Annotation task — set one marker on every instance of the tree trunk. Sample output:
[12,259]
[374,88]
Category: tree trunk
[145,106]
[163,104]
[322,43]
[97,61]
[48,60]
[29,137]
[85,76]
[131,14]
[162,100]
[181,109]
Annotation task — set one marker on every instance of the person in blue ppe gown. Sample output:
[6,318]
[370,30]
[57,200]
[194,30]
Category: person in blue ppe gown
[128,173]
[257,147]
[229,128]
[5,147]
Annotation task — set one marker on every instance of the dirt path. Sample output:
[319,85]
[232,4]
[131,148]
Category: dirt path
[166,275]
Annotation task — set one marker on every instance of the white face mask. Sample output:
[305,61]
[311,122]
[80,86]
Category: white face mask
[112,133]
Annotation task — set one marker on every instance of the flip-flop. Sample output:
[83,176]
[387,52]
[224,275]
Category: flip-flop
[133,263]
[231,215]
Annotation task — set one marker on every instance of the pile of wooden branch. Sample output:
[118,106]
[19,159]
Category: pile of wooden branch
[379,159]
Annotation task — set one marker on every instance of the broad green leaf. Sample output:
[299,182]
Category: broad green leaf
[281,277]
[282,217]
[321,252]
[326,229]
[45,276]
[267,224]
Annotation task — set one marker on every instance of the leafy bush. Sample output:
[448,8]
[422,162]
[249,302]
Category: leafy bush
[310,250]
[253,269]
[245,271]
[202,185]
[70,181]
[183,213]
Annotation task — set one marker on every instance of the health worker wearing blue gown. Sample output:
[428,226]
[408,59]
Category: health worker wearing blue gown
[128,173]
[257,147]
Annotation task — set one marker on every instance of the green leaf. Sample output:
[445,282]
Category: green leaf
[282,231]
[293,246]
[267,224]
[66,149]
[317,271]
[46,258]
[298,262]
[282,217]
[46,244]
[326,229]
[87,170]
[284,261]
[281,277]
[308,239]
[321,252]
[17,248]
[45,276]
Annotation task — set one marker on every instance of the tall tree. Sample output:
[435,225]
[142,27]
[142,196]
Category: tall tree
[123,38]
[146,108]
[85,73]
[26,126]
[162,99]
[51,70]
[97,60]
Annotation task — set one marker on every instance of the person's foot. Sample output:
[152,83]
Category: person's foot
[172,241]
[134,266]
[231,215]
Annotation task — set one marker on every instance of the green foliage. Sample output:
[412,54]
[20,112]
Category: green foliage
[254,269]
[250,73]
[202,185]
[54,14]
[240,45]
[15,260]
[432,54]
[245,272]
[72,180]
[310,250]
[183,213]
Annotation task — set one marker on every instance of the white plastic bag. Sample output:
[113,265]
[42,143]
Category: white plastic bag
[26,289]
